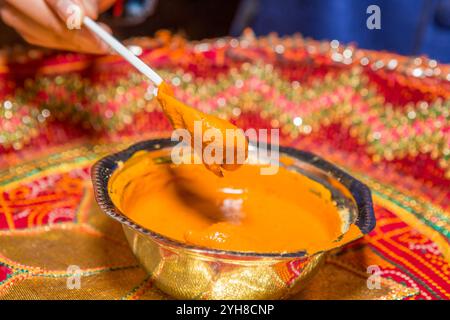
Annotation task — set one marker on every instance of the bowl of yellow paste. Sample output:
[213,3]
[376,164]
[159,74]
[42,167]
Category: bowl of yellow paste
[246,235]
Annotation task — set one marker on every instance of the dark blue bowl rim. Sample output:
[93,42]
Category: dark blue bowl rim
[103,168]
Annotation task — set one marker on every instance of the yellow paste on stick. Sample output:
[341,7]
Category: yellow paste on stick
[182,116]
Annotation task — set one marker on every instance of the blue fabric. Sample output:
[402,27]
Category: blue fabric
[409,27]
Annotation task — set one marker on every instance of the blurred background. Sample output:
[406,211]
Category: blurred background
[409,27]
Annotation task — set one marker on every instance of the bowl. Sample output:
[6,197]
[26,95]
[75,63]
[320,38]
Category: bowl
[191,272]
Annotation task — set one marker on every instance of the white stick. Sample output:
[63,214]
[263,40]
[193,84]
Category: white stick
[123,51]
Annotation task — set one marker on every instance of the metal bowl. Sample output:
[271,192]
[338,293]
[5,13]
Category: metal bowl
[192,272]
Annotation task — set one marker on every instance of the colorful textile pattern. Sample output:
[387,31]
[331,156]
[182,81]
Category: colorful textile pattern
[382,117]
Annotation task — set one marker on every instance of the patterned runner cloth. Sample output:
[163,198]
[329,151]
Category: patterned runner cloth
[382,117]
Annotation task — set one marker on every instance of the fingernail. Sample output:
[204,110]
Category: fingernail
[71,13]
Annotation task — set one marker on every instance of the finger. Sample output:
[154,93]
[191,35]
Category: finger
[91,8]
[17,20]
[40,40]
[81,39]
[38,11]
[33,33]
[105,27]
[103,44]
[89,40]
[86,42]
[76,40]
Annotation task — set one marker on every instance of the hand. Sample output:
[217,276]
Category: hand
[56,23]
